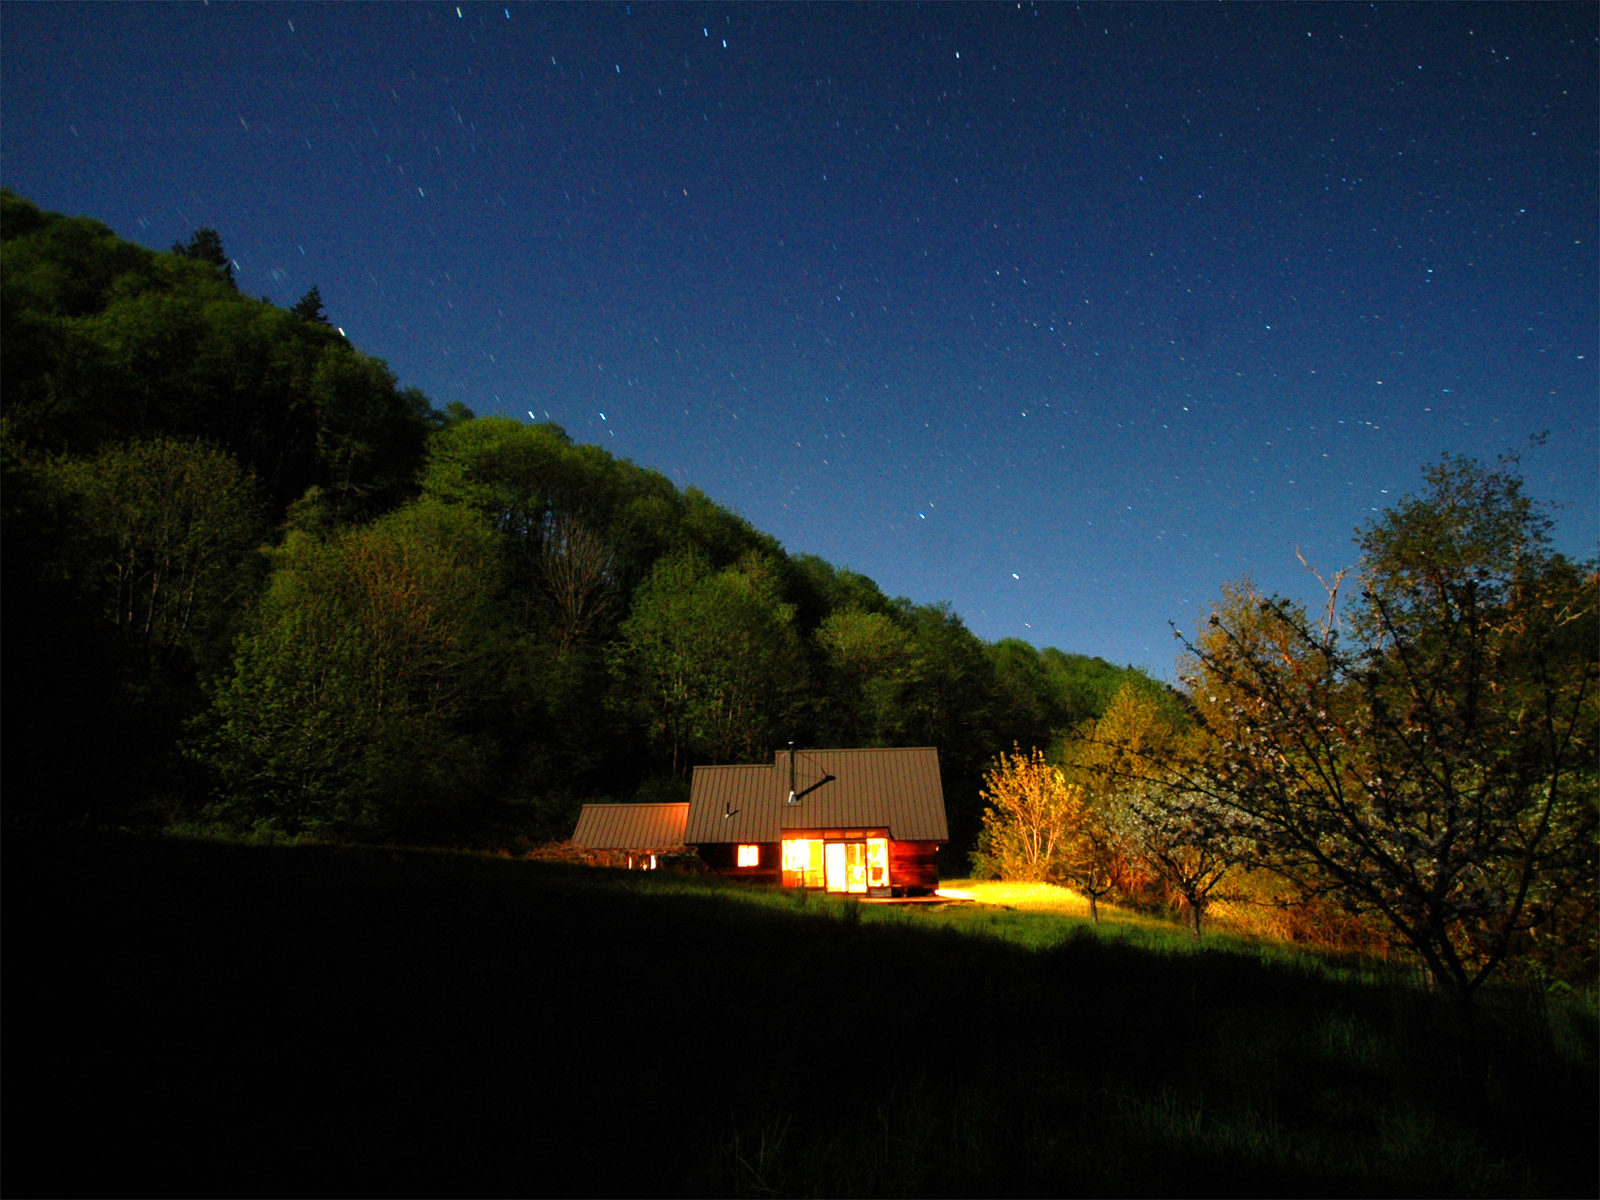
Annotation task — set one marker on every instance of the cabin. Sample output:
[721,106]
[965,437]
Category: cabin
[867,822]
[637,836]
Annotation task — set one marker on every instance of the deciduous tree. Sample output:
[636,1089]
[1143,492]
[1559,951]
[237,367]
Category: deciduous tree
[872,672]
[166,525]
[1186,836]
[577,576]
[1432,756]
[1094,859]
[1031,812]
[711,660]
[348,703]
[1130,764]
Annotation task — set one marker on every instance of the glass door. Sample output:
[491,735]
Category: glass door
[847,867]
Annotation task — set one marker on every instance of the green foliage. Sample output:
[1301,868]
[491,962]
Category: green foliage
[819,588]
[711,661]
[57,266]
[126,572]
[349,703]
[205,245]
[872,671]
[106,341]
[1471,528]
[1436,764]
[1023,691]
[62,661]
[1082,686]
[165,530]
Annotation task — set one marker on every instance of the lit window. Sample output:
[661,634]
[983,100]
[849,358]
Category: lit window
[878,862]
[749,856]
[802,861]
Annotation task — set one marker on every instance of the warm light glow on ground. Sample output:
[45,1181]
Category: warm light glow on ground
[1035,897]
[1222,916]
[1064,902]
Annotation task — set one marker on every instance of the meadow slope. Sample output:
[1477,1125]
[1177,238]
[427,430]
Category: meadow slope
[187,1017]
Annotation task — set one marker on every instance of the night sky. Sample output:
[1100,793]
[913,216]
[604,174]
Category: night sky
[1065,314]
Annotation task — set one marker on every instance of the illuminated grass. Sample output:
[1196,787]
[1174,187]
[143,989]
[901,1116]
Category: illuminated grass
[1036,897]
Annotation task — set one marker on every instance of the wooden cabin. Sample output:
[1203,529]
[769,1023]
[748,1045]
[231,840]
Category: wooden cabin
[638,836]
[868,822]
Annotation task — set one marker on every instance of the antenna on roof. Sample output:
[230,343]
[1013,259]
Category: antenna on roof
[795,796]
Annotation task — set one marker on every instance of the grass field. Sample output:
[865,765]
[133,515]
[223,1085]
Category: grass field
[185,1017]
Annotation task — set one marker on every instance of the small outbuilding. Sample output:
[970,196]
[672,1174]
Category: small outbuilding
[868,822]
[638,836]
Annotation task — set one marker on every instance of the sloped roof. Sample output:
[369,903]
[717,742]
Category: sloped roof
[894,788]
[631,826]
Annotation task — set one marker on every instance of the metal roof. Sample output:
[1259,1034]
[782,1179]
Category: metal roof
[631,826]
[897,789]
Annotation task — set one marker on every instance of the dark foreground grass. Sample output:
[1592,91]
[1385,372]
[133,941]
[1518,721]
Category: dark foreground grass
[191,1018]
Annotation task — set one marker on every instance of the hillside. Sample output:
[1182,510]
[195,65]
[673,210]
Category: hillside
[287,591]
[191,1018]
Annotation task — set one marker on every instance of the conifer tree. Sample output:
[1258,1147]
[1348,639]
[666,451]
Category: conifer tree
[309,307]
[205,245]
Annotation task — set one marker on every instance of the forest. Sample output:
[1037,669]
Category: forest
[254,582]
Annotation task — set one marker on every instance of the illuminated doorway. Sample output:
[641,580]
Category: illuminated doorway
[847,866]
[857,867]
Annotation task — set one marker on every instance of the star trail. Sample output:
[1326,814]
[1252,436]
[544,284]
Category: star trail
[1066,314]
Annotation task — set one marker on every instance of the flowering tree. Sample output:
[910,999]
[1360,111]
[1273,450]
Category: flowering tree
[1431,757]
[1186,837]
[1093,858]
[1130,762]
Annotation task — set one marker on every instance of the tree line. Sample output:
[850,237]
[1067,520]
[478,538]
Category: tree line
[1418,759]
[250,578]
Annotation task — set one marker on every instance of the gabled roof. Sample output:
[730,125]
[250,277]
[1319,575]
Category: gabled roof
[631,826]
[897,789]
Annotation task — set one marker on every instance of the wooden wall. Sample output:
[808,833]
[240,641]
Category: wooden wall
[914,867]
[723,858]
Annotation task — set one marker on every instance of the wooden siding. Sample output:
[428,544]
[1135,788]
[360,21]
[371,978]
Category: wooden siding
[649,827]
[914,866]
[723,858]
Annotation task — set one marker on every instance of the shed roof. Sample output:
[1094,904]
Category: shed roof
[897,789]
[631,826]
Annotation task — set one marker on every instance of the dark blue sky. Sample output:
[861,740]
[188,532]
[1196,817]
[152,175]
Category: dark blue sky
[1066,314]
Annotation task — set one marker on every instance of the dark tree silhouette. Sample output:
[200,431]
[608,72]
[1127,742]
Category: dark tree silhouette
[309,307]
[205,245]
